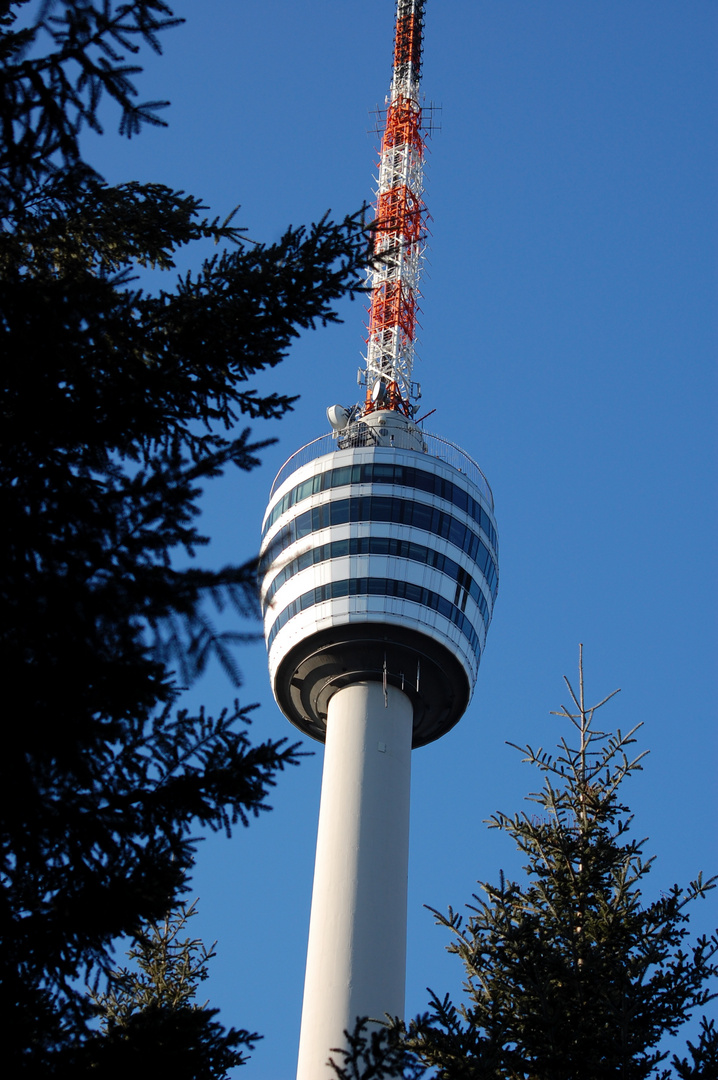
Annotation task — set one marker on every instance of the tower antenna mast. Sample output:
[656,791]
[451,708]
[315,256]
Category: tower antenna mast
[400,227]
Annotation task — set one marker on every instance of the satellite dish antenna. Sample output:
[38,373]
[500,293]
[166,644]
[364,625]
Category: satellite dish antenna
[338,417]
[378,392]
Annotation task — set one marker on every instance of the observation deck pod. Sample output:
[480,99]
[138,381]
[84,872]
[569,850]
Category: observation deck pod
[379,563]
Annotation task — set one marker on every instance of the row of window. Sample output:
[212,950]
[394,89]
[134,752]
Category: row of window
[376,472]
[366,508]
[377,587]
[386,545]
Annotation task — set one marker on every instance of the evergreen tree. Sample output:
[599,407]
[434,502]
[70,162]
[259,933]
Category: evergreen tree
[569,975]
[118,405]
[151,1023]
[704,1055]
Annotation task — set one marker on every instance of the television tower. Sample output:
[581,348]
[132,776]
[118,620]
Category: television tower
[379,574]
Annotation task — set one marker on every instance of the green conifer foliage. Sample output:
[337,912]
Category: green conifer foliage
[569,974]
[118,406]
[703,1064]
[152,1023]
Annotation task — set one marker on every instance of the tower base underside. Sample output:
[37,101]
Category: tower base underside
[427,672]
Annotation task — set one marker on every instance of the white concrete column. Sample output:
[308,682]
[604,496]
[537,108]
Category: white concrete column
[356,958]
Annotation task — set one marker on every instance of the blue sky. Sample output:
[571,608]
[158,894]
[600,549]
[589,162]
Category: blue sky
[568,344]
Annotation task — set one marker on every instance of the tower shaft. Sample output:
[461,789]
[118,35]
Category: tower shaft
[400,228]
[356,958]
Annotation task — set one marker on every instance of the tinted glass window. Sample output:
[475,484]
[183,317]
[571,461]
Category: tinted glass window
[421,516]
[381,508]
[304,490]
[303,525]
[341,476]
[413,592]
[457,533]
[379,472]
[339,512]
[374,586]
[383,473]
[385,508]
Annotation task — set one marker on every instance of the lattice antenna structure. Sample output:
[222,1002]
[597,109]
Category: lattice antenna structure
[400,226]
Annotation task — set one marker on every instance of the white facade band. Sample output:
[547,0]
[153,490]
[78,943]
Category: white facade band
[356,957]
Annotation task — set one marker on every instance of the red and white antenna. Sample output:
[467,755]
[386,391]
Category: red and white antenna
[400,226]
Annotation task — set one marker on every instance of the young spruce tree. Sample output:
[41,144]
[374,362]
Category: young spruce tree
[152,1024]
[569,975]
